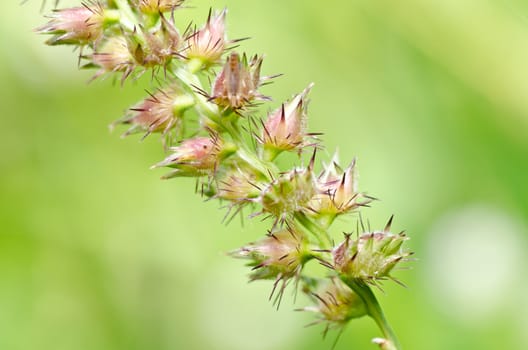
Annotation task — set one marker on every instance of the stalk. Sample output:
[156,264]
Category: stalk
[374,309]
[229,165]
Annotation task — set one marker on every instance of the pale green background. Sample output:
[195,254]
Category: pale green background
[432,96]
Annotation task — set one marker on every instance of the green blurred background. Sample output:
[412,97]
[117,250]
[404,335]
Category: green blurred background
[431,96]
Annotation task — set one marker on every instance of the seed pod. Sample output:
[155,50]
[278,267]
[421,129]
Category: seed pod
[372,256]
[207,44]
[115,55]
[335,303]
[280,256]
[236,86]
[285,128]
[288,194]
[196,157]
[161,112]
[239,186]
[75,26]
[161,46]
[337,193]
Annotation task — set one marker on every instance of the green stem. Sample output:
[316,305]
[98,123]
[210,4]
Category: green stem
[128,18]
[194,65]
[129,21]
[264,168]
[192,82]
[321,234]
[373,308]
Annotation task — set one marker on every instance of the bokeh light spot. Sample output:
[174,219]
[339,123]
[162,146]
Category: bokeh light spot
[474,256]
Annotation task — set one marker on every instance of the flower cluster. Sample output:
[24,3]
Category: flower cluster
[334,302]
[204,109]
[372,256]
[279,256]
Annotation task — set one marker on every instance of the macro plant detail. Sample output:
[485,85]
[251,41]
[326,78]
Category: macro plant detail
[204,111]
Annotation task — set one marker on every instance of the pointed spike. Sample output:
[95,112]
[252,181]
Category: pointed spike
[312,161]
[389,223]
[283,114]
